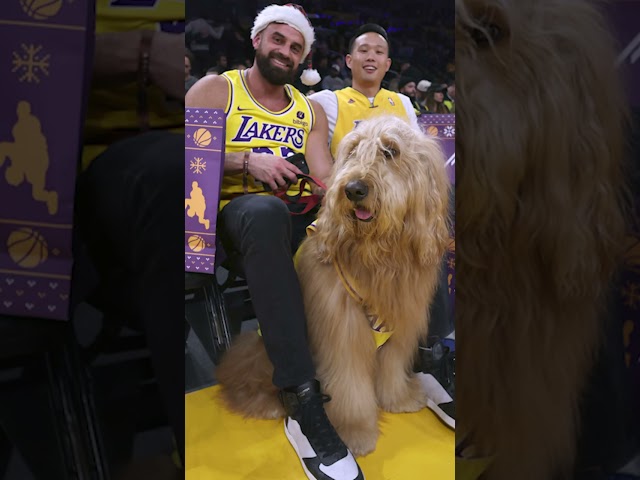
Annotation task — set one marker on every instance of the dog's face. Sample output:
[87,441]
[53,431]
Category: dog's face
[388,185]
[373,175]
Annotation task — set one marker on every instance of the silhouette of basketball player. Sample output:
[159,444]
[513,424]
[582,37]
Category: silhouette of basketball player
[29,157]
[197,204]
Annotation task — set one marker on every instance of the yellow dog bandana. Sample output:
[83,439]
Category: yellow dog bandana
[380,331]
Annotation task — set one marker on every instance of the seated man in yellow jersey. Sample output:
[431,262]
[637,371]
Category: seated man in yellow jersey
[127,201]
[267,120]
[368,59]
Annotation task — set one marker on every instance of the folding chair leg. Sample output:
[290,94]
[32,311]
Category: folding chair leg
[219,318]
[77,424]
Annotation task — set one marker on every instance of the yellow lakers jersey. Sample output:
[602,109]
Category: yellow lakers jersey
[353,107]
[251,126]
[114,108]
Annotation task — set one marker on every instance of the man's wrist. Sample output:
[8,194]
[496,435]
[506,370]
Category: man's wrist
[234,163]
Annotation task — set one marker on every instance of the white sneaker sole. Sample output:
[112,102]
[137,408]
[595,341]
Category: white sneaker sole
[293,444]
[446,419]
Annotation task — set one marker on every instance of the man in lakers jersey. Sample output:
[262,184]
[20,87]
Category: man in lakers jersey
[268,120]
[369,61]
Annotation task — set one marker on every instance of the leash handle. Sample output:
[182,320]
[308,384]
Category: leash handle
[310,201]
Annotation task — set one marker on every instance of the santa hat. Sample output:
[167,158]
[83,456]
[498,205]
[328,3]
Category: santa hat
[294,16]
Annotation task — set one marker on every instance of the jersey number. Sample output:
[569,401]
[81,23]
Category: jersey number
[284,151]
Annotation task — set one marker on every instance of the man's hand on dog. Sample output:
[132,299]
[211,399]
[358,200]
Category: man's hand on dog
[273,170]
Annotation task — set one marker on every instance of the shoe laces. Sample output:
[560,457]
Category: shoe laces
[321,434]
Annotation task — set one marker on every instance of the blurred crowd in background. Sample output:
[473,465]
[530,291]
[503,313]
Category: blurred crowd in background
[422,53]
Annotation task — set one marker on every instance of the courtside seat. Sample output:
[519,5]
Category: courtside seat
[216,305]
[211,323]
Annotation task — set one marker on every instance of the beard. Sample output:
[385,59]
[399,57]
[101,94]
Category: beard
[274,74]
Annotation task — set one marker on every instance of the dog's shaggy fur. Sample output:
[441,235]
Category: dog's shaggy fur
[394,259]
[539,224]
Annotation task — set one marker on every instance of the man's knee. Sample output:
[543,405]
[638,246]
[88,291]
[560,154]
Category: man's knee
[269,209]
[256,217]
[260,211]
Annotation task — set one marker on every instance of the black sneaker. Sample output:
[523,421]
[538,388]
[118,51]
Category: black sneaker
[322,453]
[438,378]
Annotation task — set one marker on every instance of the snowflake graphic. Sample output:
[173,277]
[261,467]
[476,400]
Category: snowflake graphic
[451,263]
[30,63]
[449,131]
[631,294]
[198,165]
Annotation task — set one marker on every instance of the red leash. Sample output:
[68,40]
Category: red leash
[309,201]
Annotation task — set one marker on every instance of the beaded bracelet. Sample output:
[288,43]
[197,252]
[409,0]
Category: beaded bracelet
[245,179]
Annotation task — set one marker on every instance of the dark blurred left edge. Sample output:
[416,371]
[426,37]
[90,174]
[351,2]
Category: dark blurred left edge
[80,393]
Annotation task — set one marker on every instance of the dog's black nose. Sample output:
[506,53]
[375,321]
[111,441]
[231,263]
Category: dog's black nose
[356,190]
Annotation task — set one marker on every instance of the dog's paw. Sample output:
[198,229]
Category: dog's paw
[360,441]
[409,400]
[408,405]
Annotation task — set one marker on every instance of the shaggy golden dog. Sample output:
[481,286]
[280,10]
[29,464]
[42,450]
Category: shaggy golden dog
[387,238]
[539,224]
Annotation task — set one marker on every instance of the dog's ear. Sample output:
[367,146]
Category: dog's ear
[427,218]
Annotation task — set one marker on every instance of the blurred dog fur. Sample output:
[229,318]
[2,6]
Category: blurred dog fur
[394,259]
[541,121]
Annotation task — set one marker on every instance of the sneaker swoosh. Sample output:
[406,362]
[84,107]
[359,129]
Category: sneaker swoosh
[344,468]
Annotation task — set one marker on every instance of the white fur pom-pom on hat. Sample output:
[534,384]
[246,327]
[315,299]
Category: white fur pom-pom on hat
[292,15]
[310,76]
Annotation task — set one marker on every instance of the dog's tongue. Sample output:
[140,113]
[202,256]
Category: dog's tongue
[363,213]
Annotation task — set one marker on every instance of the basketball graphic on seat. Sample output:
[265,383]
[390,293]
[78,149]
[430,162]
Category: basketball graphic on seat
[433,131]
[27,247]
[41,9]
[196,243]
[202,137]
